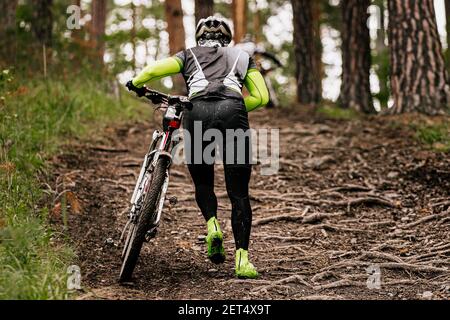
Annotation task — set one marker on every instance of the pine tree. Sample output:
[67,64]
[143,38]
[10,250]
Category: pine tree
[99,9]
[356,57]
[42,23]
[7,31]
[419,78]
[307,70]
[239,8]
[177,40]
[203,9]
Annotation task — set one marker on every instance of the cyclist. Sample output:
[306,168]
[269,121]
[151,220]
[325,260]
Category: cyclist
[255,50]
[214,75]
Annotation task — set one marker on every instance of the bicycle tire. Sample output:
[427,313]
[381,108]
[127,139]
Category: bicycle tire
[142,226]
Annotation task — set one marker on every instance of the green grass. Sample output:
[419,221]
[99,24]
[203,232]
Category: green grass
[336,113]
[437,136]
[36,118]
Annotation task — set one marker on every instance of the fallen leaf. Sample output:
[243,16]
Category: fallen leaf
[75,204]
[56,211]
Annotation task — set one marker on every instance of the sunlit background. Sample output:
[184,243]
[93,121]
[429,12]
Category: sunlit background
[278,30]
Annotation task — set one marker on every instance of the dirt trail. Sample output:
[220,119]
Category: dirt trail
[358,193]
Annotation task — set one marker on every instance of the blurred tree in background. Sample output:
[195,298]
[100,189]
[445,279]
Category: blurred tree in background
[118,38]
[177,37]
[447,16]
[42,21]
[239,8]
[203,9]
[8,30]
[356,56]
[380,54]
[98,27]
[308,72]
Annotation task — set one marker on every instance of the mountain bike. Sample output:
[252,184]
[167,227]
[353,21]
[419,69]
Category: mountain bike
[148,198]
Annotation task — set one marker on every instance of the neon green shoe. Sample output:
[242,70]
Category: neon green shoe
[214,240]
[244,269]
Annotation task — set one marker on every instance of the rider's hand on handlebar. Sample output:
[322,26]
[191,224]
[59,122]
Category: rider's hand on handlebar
[154,97]
[139,91]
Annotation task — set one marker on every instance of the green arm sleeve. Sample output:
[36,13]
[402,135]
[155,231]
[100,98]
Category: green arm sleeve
[256,86]
[157,70]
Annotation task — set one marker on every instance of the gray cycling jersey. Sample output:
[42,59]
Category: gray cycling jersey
[215,71]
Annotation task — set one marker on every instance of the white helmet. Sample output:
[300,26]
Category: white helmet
[213,28]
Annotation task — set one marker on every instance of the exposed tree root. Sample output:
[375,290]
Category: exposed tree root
[339,228]
[338,284]
[283,217]
[291,279]
[411,267]
[381,255]
[314,217]
[108,149]
[318,297]
[280,238]
[347,187]
[442,203]
[341,203]
[425,219]
[387,265]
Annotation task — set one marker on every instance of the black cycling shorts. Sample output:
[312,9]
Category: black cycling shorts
[217,124]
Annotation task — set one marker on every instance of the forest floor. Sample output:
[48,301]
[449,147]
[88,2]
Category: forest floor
[351,198]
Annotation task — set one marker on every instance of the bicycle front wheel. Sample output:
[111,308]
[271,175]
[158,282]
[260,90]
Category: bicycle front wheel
[145,219]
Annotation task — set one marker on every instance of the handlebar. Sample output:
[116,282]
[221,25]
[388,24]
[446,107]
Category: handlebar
[160,98]
[155,96]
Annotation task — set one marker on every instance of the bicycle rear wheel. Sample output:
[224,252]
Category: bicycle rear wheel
[144,222]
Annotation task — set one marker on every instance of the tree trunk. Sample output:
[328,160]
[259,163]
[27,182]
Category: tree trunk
[239,19]
[447,16]
[257,23]
[98,25]
[382,57]
[203,9]
[418,74]
[177,41]
[133,34]
[7,16]
[42,23]
[175,27]
[307,71]
[75,34]
[8,30]
[356,57]
[317,13]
